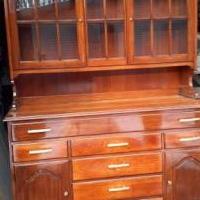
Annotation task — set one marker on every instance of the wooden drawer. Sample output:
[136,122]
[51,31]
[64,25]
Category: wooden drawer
[41,130]
[182,138]
[126,188]
[116,123]
[129,142]
[39,151]
[111,166]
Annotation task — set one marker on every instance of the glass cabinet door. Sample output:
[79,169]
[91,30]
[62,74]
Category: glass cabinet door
[50,30]
[158,30]
[105,28]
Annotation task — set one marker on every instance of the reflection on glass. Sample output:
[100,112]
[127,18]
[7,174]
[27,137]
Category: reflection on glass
[66,9]
[114,9]
[179,7]
[25,9]
[142,8]
[46,9]
[27,41]
[96,40]
[161,37]
[142,38]
[161,8]
[69,42]
[94,9]
[115,39]
[179,36]
[48,42]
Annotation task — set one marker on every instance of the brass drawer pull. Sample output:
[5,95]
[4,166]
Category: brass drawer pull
[189,120]
[189,139]
[117,166]
[123,144]
[119,189]
[39,131]
[41,151]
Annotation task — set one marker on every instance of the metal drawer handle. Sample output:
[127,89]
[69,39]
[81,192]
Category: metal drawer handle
[189,139]
[123,144]
[41,151]
[119,189]
[189,120]
[117,166]
[39,131]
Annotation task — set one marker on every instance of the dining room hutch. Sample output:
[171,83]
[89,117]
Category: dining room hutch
[103,103]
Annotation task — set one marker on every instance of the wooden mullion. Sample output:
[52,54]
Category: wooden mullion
[152,28]
[105,28]
[37,30]
[58,30]
[170,28]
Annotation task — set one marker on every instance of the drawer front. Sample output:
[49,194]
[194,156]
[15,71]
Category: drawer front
[117,123]
[115,144]
[93,168]
[186,138]
[42,130]
[39,151]
[119,188]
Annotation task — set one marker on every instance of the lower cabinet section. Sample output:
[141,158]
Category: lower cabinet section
[119,188]
[42,181]
[183,175]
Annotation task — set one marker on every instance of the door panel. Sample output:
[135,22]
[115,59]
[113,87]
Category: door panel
[42,181]
[183,175]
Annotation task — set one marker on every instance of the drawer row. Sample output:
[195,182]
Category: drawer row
[36,130]
[104,144]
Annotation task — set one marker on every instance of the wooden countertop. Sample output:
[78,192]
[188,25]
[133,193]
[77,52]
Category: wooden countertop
[93,104]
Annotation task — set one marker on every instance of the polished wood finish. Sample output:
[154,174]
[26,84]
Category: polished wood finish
[104,167]
[130,188]
[39,151]
[182,174]
[118,143]
[47,180]
[100,109]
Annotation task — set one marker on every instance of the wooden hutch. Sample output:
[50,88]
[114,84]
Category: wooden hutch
[100,109]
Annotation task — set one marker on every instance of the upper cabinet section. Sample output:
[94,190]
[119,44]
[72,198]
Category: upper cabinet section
[94,34]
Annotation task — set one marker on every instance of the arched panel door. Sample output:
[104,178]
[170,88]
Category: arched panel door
[42,181]
[183,175]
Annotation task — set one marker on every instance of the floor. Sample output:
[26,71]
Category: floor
[5,193]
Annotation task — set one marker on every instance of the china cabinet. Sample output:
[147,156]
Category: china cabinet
[103,103]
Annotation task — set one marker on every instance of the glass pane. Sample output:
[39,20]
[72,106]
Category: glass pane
[179,36]
[95,9]
[27,41]
[179,7]
[161,37]
[161,8]
[116,39]
[96,40]
[142,8]
[115,9]
[66,9]
[69,42]
[48,42]
[25,9]
[142,38]
[46,9]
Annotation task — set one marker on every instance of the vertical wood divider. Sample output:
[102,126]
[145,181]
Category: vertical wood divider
[58,30]
[105,29]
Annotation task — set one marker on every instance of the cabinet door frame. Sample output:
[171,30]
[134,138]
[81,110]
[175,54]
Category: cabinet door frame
[151,59]
[106,61]
[14,47]
[172,159]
